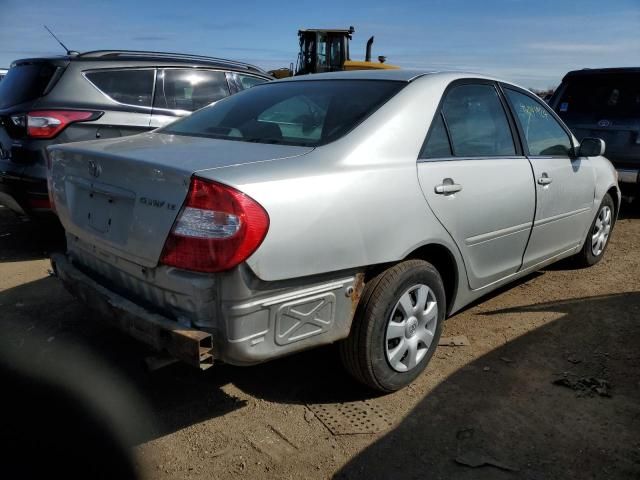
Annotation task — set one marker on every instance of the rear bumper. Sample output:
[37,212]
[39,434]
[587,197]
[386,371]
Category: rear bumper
[628,175]
[23,194]
[249,323]
[192,346]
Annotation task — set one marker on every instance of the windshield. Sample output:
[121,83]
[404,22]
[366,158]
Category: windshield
[602,96]
[307,113]
[24,83]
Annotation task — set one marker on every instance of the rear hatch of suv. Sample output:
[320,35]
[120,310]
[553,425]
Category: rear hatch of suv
[26,82]
[604,104]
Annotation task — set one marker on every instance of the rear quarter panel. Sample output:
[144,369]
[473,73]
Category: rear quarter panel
[352,203]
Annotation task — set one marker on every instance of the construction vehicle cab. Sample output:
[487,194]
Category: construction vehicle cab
[327,50]
[322,50]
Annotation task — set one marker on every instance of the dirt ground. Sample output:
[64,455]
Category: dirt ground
[487,410]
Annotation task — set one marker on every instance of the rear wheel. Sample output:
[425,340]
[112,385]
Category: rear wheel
[396,327]
[598,236]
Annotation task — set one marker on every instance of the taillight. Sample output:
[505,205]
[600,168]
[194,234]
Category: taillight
[218,228]
[38,203]
[48,123]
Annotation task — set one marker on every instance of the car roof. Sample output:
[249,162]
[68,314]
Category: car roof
[399,75]
[139,56]
[601,71]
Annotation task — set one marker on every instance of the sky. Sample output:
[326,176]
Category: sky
[530,42]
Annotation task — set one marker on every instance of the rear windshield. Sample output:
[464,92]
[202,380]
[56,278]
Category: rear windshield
[24,82]
[307,113]
[601,95]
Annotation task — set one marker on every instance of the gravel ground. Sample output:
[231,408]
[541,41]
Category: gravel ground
[548,386]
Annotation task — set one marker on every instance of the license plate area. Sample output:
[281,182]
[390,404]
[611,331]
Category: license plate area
[99,214]
[102,210]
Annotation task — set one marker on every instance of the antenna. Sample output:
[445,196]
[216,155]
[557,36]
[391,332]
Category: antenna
[69,52]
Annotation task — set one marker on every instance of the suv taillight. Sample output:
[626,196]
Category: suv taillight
[218,228]
[49,123]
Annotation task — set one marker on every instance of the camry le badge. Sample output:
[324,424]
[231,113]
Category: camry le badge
[94,169]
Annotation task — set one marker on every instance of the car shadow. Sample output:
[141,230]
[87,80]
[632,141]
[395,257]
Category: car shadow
[41,320]
[501,416]
[629,210]
[23,238]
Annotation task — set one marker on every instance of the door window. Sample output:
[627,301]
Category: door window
[543,134]
[132,87]
[246,81]
[437,145]
[189,89]
[477,122]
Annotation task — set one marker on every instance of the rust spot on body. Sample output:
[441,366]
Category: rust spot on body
[358,288]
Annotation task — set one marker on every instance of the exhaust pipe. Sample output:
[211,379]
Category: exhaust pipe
[367,57]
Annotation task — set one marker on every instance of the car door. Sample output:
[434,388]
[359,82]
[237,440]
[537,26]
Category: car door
[477,181]
[180,91]
[565,185]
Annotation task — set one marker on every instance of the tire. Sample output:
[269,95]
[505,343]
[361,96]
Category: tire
[391,341]
[598,235]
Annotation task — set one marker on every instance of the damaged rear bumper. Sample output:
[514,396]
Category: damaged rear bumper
[189,345]
[242,321]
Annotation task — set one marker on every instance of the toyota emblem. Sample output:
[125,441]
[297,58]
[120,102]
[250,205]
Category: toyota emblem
[604,123]
[94,169]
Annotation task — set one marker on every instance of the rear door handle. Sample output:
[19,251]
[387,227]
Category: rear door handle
[447,186]
[544,179]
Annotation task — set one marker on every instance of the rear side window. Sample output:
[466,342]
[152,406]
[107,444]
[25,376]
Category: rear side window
[477,122]
[437,145]
[602,96]
[25,82]
[132,87]
[305,112]
[543,134]
[189,89]
[246,81]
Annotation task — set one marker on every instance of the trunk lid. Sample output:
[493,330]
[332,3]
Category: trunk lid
[123,195]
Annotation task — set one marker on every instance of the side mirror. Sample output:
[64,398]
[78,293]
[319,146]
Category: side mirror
[591,147]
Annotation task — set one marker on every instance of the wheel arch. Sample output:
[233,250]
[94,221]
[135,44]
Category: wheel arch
[614,194]
[441,258]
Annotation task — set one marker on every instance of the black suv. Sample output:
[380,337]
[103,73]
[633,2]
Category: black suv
[605,103]
[100,94]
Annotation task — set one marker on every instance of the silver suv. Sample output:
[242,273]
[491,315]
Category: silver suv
[360,207]
[100,94]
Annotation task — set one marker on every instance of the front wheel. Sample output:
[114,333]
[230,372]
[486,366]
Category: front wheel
[598,236]
[396,327]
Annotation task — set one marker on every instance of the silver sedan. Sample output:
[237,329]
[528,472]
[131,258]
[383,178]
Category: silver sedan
[359,207]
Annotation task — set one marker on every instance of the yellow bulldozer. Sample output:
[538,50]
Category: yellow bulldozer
[327,50]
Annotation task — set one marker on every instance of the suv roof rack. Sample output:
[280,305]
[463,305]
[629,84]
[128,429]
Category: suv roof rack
[167,55]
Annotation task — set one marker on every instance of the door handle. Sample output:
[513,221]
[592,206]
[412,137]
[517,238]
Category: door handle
[447,187]
[545,179]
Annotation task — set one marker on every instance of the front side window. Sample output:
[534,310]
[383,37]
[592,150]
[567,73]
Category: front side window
[133,87]
[305,112]
[189,89]
[543,134]
[477,122]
